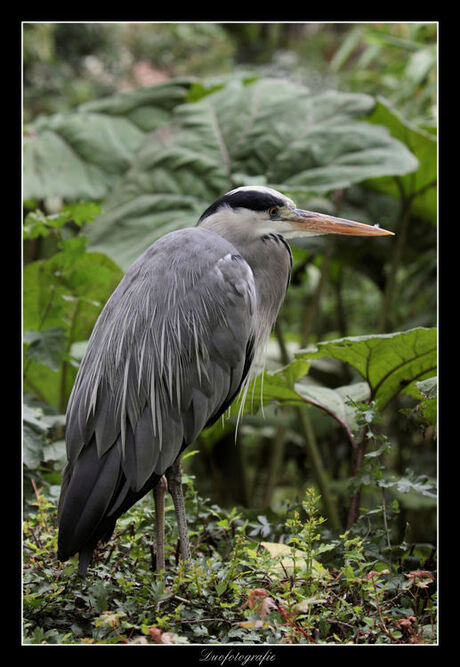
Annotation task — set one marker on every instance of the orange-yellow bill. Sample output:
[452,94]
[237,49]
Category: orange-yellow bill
[319,223]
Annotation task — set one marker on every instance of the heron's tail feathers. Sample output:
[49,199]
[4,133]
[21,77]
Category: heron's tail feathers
[95,492]
[89,488]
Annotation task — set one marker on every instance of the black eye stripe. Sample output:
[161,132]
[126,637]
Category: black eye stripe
[251,199]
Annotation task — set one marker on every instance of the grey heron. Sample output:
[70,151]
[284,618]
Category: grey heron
[169,353]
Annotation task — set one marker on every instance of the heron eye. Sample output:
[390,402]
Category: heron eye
[273,211]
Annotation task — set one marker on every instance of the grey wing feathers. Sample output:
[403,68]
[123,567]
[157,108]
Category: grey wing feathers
[169,350]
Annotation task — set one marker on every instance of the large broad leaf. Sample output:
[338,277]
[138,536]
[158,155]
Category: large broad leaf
[424,146]
[291,386]
[59,299]
[146,108]
[389,363]
[81,154]
[278,386]
[269,131]
[338,403]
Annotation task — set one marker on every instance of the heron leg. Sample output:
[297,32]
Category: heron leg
[159,493]
[174,475]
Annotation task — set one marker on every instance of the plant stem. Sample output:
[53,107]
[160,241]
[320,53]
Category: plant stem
[64,366]
[358,456]
[274,464]
[401,236]
[385,523]
[284,354]
[341,315]
[316,462]
[313,452]
[382,622]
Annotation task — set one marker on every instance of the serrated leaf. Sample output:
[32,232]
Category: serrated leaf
[421,485]
[81,212]
[388,362]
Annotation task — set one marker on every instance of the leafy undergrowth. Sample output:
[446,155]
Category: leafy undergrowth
[251,581]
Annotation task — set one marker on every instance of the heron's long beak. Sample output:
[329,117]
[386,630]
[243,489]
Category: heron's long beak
[318,223]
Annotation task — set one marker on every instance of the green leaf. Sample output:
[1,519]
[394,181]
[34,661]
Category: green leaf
[46,347]
[282,387]
[337,402]
[407,484]
[264,389]
[77,155]
[81,154]
[424,146]
[270,131]
[32,447]
[65,293]
[420,64]
[54,287]
[98,596]
[295,370]
[36,224]
[81,212]
[148,108]
[34,430]
[389,362]
[347,47]
[221,587]
[55,451]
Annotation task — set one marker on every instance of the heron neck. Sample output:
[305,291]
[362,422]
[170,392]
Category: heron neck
[268,255]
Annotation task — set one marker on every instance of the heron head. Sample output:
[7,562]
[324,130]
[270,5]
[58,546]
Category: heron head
[264,210]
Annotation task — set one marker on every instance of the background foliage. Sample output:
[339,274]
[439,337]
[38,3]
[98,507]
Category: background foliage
[130,131]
